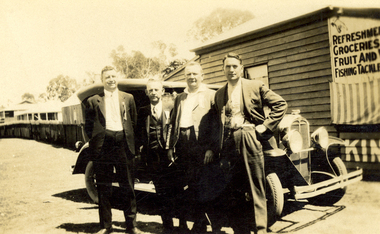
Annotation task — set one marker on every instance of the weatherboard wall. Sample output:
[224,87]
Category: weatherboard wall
[299,67]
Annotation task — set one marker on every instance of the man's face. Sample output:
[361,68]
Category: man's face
[109,80]
[194,77]
[232,69]
[154,91]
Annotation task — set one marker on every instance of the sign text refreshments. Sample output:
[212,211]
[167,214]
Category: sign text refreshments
[355,49]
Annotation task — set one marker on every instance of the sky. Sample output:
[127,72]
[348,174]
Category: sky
[42,39]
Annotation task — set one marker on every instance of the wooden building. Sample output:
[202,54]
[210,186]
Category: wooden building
[325,63]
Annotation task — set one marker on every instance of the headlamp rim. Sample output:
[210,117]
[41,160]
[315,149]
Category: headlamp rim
[316,137]
[290,143]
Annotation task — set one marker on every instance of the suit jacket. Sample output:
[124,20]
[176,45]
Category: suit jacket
[200,115]
[143,123]
[255,95]
[95,125]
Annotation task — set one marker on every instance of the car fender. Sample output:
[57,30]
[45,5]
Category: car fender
[334,147]
[335,140]
[83,158]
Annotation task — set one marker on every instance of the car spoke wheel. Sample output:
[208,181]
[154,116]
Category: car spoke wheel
[90,182]
[334,196]
[275,198]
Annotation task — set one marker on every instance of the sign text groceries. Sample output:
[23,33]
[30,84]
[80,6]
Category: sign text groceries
[356,53]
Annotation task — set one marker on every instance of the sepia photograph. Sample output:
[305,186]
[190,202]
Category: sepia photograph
[190,116]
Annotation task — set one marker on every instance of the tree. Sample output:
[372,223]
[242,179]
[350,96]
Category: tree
[140,66]
[92,78]
[137,65]
[28,96]
[42,97]
[161,56]
[173,50]
[61,87]
[119,57]
[219,21]
[173,65]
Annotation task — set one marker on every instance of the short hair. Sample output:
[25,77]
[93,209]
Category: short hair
[151,80]
[194,64]
[106,68]
[233,55]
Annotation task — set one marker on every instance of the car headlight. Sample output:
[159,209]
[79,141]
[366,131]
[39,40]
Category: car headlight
[78,145]
[293,141]
[320,137]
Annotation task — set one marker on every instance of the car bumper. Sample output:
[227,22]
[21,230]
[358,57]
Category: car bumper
[308,191]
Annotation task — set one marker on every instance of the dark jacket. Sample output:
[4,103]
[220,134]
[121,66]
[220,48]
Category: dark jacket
[255,95]
[95,124]
[143,124]
[200,115]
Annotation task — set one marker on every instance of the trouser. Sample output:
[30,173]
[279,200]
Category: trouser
[189,161]
[246,201]
[165,180]
[113,157]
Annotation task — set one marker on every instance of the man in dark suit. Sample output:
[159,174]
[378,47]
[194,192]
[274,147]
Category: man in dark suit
[110,124]
[189,120]
[152,130]
[243,130]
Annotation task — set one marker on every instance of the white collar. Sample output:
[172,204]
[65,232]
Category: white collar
[109,93]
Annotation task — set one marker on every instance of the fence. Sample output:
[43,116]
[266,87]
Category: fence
[57,133]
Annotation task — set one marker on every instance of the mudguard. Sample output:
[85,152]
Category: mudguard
[83,158]
[335,140]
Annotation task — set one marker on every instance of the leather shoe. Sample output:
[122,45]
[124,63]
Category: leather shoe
[105,231]
[134,230]
[183,228]
[199,227]
[168,230]
[262,231]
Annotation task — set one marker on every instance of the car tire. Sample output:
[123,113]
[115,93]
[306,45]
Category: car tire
[275,198]
[90,182]
[334,196]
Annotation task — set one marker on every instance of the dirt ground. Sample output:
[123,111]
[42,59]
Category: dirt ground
[40,195]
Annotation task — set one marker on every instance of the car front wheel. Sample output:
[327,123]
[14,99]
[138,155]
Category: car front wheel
[334,196]
[275,198]
[90,182]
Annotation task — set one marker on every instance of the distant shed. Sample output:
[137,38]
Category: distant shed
[326,63]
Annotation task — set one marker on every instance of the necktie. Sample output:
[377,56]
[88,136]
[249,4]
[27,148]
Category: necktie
[155,112]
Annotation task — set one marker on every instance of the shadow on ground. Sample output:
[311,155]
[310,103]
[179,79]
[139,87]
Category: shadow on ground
[78,195]
[80,227]
[149,227]
[293,206]
[146,202]
[300,215]
[371,177]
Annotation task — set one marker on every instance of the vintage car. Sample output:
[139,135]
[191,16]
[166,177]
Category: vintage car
[136,87]
[301,166]
[298,165]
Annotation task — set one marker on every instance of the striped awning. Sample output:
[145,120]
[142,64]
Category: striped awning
[355,103]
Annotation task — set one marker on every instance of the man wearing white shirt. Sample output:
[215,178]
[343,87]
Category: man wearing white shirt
[110,124]
[243,129]
[188,138]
